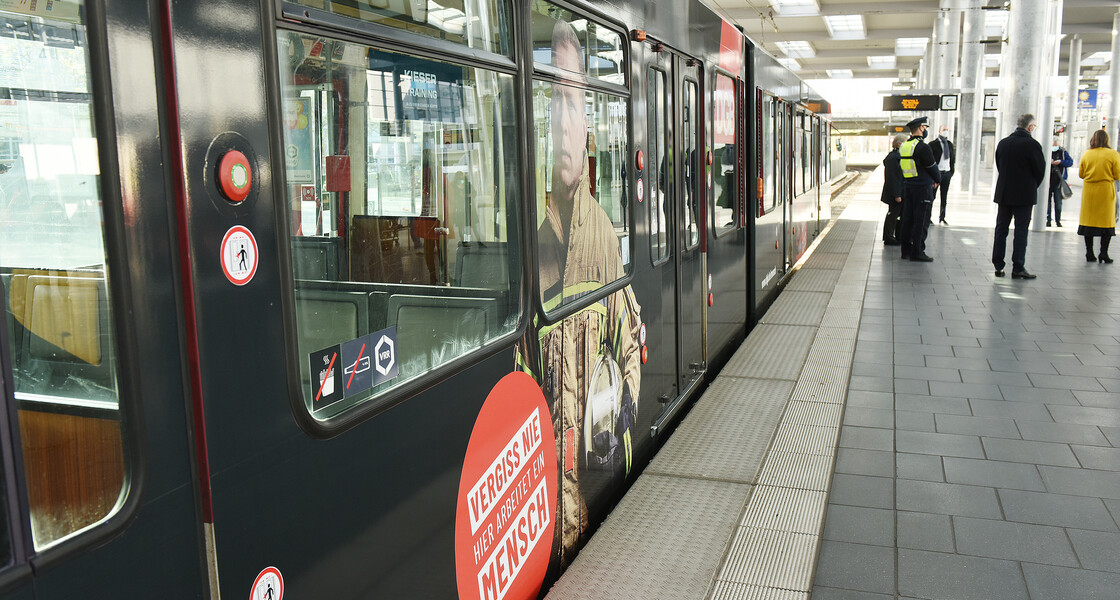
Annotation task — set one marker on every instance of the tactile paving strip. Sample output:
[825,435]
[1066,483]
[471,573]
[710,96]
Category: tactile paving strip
[798,308]
[834,245]
[729,590]
[814,280]
[826,260]
[799,412]
[795,510]
[725,436]
[764,557]
[772,352]
[840,317]
[617,563]
[797,471]
[806,439]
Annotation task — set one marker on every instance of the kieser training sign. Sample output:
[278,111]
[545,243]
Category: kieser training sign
[507,495]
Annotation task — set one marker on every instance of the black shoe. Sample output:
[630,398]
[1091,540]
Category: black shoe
[999,273]
[944,222]
[1105,259]
[1022,275]
[1059,223]
[921,258]
[1048,223]
[1089,257]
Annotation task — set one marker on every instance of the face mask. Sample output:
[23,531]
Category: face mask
[1055,147]
[925,133]
[945,134]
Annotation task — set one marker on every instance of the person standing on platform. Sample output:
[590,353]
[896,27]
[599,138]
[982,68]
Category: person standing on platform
[920,178]
[1022,167]
[892,193]
[946,156]
[1099,170]
[1060,160]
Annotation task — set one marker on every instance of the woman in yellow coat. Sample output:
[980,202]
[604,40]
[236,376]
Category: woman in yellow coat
[1100,168]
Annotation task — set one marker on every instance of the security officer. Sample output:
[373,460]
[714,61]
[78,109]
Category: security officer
[919,184]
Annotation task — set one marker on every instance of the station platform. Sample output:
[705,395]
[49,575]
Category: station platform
[893,429]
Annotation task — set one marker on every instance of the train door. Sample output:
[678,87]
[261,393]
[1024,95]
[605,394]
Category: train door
[690,227]
[97,490]
[675,217]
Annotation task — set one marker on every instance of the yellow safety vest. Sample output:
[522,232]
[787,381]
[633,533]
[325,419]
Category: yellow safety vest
[906,151]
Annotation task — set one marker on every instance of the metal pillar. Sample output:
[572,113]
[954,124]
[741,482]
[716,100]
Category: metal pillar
[1021,66]
[952,47]
[1071,88]
[969,128]
[933,62]
[1051,44]
[1111,125]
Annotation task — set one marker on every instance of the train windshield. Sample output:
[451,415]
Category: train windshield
[401,176]
[52,267]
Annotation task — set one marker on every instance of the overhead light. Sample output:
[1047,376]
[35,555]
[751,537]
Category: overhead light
[839,73]
[799,49]
[796,8]
[845,27]
[882,62]
[790,63]
[1096,59]
[910,46]
[995,22]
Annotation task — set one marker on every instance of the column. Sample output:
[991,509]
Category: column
[1071,88]
[931,60]
[969,127]
[1021,64]
[1051,43]
[952,58]
[1114,86]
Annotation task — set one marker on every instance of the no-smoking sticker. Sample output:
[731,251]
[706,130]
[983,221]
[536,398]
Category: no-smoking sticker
[239,255]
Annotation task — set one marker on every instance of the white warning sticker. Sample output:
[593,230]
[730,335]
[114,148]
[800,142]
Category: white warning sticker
[239,255]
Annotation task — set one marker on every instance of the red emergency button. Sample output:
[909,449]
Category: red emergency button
[641,160]
[645,355]
[235,177]
[711,300]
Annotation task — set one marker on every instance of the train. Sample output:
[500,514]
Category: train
[370,298]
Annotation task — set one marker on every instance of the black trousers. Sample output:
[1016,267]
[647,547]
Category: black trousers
[917,204]
[1022,216]
[893,222]
[944,187]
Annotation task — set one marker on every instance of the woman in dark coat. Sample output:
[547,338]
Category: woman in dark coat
[892,192]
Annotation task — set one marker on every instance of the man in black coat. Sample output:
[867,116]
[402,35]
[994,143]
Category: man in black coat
[946,157]
[1021,167]
[892,193]
[919,185]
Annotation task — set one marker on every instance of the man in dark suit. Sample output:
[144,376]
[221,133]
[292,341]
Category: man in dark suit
[946,157]
[1022,168]
[892,193]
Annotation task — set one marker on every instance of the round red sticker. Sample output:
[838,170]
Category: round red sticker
[269,585]
[505,511]
[239,255]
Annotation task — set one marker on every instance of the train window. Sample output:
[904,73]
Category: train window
[582,205]
[769,159]
[602,54]
[52,270]
[690,135]
[660,162]
[725,190]
[480,24]
[405,247]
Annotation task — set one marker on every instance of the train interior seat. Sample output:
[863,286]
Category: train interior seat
[432,330]
[482,265]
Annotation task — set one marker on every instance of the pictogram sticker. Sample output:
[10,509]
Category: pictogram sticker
[327,383]
[239,255]
[269,585]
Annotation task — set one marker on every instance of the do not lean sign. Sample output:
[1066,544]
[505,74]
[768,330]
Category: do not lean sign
[239,255]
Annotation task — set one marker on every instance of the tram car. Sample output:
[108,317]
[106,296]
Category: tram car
[369,298]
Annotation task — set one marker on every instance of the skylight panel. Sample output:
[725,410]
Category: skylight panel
[796,8]
[846,27]
[910,46]
[839,73]
[882,62]
[799,49]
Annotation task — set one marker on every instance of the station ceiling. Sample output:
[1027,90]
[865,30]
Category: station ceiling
[825,23]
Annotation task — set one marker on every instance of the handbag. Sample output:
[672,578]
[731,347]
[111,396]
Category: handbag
[1066,192]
